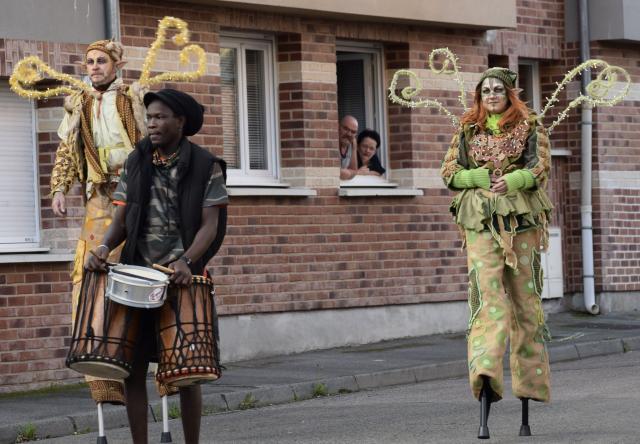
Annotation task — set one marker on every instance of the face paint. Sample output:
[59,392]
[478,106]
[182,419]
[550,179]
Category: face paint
[100,68]
[494,95]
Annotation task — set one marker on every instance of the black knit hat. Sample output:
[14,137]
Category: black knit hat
[507,76]
[182,104]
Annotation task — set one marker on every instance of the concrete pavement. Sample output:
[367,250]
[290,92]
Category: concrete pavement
[283,379]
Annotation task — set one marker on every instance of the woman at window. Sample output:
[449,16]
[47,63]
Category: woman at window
[499,163]
[368,161]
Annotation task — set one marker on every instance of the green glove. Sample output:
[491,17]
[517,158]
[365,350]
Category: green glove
[475,178]
[519,180]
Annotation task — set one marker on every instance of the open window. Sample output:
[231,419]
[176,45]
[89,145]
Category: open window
[529,82]
[361,93]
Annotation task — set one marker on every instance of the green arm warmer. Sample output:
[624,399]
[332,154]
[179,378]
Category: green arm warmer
[474,178]
[519,180]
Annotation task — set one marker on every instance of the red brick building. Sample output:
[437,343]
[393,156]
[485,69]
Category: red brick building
[309,261]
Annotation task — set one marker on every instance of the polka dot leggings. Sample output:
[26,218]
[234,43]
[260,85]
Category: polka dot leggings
[505,306]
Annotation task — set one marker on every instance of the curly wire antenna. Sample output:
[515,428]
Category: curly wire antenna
[30,70]
[596,91]
[409,92]
[188,53]
[449,67]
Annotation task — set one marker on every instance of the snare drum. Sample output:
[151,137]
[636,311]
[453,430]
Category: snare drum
[104,333]
[136,286]
[188,335]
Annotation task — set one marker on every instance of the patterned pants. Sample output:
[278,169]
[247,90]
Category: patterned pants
[505,304]
[98,215]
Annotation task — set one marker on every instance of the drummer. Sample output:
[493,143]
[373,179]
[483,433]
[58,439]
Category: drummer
[170,198]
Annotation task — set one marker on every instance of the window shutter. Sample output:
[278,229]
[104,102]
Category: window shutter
[230,119]
[19,218]
[256,119]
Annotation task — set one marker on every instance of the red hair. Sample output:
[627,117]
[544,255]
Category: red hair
[515,113]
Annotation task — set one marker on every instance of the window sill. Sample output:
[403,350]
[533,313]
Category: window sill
[269,191]
[367,182]
[560,152]
[370,192]
[32,257]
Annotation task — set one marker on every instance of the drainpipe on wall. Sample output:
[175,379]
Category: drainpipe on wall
[586,149]
[112,19]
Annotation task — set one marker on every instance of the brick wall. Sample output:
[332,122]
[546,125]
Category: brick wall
[616,147]
[34,324]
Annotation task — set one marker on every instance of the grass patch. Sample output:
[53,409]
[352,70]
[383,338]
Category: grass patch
[174,411]
[249,402]
[319,390]
[344,391]
[52,389]
[26,432]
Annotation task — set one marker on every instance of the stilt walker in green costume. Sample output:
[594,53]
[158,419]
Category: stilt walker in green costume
[498,162]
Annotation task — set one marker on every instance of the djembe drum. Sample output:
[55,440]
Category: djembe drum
[104,332]
[188,335]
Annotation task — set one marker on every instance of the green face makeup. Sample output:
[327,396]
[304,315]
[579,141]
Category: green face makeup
[492,86]
[494,95]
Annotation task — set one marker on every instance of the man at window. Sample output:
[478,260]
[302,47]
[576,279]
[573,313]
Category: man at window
[368,161]
[347,131]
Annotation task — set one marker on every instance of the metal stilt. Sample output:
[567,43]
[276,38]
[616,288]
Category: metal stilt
[166,434]
[102,439]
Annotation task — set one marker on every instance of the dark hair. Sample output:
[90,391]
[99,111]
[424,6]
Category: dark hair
[372,134]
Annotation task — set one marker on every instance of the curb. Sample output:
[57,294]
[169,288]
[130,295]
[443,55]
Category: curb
[86,422]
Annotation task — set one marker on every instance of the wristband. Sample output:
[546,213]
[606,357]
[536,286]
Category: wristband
[186,260]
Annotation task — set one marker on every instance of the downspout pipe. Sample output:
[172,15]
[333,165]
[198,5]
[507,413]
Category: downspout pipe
[586,150]
[112,19]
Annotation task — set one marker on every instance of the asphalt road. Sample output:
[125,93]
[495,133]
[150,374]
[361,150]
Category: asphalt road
[593,401]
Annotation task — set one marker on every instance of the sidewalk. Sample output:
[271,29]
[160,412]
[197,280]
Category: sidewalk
[282,379]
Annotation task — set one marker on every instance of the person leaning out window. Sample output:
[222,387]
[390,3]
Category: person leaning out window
[368,161]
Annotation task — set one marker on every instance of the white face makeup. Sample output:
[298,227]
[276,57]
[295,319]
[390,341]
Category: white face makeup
[494,95]
[100,68]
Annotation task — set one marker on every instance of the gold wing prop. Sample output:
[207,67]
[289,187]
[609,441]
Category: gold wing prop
[190,52]
[31,70]
[599,92]
[407,94]
[449,67]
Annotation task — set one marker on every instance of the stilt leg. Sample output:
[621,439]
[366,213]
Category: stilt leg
[485,406]
[102,439]
[166,434]
[525,430]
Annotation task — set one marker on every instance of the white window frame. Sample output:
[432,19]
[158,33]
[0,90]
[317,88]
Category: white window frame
[376,103]
[536,94]
[30,244]
[245,176]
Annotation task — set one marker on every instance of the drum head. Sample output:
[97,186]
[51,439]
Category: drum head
[134,272]
[100,369]
[136,286]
